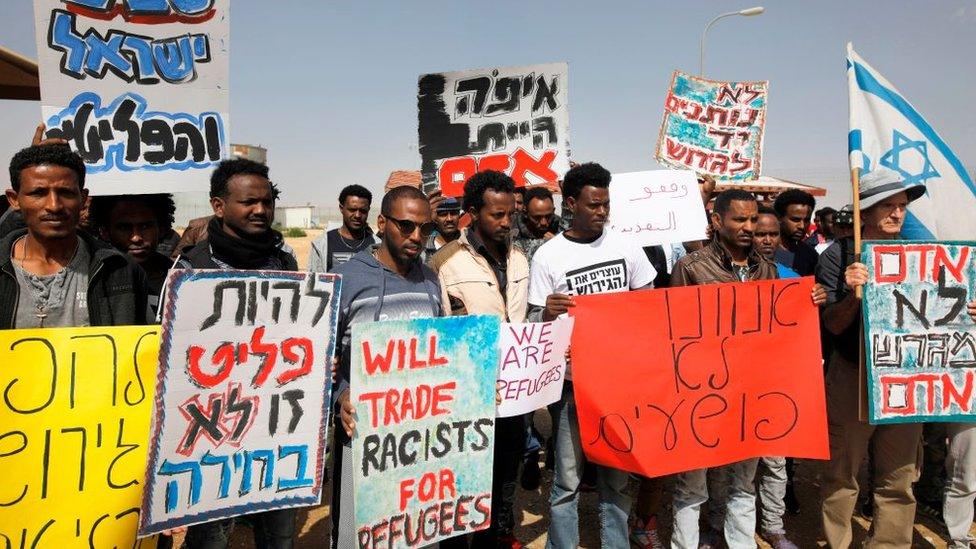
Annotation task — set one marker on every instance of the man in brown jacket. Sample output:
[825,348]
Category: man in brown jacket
[481,273]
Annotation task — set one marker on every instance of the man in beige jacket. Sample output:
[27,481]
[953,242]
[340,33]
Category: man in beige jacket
[481,273]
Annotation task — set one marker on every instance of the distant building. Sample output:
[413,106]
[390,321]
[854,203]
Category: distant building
[295,216]
[250,152]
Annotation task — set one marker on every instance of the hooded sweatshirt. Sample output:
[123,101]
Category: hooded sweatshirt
[371,292]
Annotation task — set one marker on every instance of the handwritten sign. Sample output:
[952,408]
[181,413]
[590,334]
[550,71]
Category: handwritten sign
[424,392]
[242,404]
[532,364]
[139,89]
[713,127]
[657,207]
[514,120]
[719,373]
[919,342]
[74,421]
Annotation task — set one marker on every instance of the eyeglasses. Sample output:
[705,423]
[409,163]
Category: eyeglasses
[407,227]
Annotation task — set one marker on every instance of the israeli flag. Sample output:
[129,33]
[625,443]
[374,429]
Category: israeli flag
[886,130]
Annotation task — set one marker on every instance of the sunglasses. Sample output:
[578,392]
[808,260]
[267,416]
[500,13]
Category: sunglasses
[407,227]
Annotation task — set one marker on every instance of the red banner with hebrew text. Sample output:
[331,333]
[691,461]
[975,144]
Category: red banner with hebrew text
[688,378]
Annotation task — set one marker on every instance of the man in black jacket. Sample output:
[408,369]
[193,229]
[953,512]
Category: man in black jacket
[52,274]
[240,237]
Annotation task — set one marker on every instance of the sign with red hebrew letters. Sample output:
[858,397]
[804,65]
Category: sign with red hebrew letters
[513,120]
[713,127]
[242,395]
[919,341]
[700,376]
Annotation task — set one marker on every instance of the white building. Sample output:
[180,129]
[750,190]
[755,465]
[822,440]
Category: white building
[295,216]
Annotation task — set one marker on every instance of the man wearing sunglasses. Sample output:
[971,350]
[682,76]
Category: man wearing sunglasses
[384,282]
[481,273]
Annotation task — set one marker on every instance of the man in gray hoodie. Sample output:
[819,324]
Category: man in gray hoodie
[385,282]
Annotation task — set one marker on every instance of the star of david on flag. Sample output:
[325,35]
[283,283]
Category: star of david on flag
[886,130]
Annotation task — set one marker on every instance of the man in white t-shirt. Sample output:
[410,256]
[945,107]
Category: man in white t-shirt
[585,259]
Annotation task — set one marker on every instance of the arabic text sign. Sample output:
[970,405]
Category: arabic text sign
[719,373]
[243,395]
[532,364]
[713,127]
[919,342]
[139,89]
[514,120]
[424,392]
[74,422]
[657,207]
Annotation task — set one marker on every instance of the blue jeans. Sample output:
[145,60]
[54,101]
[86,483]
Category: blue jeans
[734,493]
[611,485]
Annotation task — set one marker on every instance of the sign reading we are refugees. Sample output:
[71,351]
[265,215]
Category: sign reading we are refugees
[424,392]
[138,89]
[919,341]
[74,422]
[713,127]
[242,405]
[532,364]
[513,120]
[717,374]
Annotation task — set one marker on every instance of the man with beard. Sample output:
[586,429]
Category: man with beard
[240,237]
[447,213]
[386,282]
[337,246]
[134,224]
[586,259]
[794,208]
[481,273]
[538,222]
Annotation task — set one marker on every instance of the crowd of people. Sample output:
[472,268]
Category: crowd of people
[69,261]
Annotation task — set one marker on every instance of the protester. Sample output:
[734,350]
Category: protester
[134,224]
[794,208]
[584,247]
[729,257]
[538,222]
[824,235]
[520,200]
[446,213]
[481,273]
[337,246]
[240,237]
[53,274]
[884,199]
[385,282]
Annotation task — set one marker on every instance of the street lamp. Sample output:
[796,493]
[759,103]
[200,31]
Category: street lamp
[748,12]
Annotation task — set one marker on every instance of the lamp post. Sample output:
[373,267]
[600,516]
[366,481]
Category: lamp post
[748,12]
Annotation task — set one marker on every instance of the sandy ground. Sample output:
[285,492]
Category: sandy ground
[803,529]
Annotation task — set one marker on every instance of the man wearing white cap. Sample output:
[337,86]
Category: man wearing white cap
[884,201]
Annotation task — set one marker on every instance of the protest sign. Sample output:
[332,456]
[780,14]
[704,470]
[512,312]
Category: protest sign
[242,395]
[514,120]
[74,421]
[713,127]
[139,89]
[424,392]
[657,207]
[699,376]
[532,364]
[919,342]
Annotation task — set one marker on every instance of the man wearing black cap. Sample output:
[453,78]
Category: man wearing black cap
[445,213]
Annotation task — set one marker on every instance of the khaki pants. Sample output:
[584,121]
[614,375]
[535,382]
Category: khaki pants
[895,467]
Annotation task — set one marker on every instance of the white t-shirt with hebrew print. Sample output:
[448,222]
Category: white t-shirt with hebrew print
[606,265]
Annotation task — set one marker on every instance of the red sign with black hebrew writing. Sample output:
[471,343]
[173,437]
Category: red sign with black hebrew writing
[688,378]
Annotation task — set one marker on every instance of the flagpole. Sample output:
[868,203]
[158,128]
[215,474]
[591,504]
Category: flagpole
[856,184]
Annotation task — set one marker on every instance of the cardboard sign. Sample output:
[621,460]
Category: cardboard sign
[242,405]
[713,127]
[532,364]
[700,376]
[424,392]
[514,120]
[658,207]
[74,421]
[139,89]
[919,341]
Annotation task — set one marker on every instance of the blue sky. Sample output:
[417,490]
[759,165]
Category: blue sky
[330,87]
